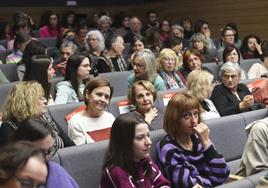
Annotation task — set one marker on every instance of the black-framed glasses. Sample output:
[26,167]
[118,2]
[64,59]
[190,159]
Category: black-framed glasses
[28,183]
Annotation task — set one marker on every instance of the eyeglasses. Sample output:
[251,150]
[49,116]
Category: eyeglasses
[28,183]
[167,59]
[230,35]
[232,54]
[193,59]
[232,76]
[138,66]
[188,115]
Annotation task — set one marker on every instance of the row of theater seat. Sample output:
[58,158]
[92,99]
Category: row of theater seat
[84,162]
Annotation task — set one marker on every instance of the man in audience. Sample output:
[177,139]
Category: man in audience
[135,30]
[255,155]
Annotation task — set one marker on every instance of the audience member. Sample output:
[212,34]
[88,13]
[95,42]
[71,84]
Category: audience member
[144,66]
[26,100]
[52,28]
[199,42]
[142,95]
[37,132]
[136,46]
[112,60]
[22,165]
[251,47]
[121,23]
[127,162]
[77,74]
[232,54]
[68,19]
[176,44]
[186,154]
[81,30]
[236,34]
[151,21]
[234,97]
[258,70]
[164,28]
[95,45]
[20,42]
[93,123]
[33,48]
[188,28]
[255,155]
[67,49]
[135,30]
[168,65]
[199,84]
[104,26]
[177,31]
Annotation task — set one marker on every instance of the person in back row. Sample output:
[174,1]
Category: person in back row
[93,123]
[144,66]
[127,162]
[186,155]
[77,74]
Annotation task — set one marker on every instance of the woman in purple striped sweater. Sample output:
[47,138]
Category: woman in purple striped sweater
[186,154]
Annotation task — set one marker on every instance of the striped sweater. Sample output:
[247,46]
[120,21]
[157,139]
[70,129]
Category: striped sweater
[187,168]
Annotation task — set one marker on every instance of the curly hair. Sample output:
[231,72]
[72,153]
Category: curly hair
[22,102]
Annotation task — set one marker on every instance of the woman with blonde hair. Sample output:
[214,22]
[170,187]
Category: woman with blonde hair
[144,66]
[199,84]
[168,64]
[186,155]
[26,100]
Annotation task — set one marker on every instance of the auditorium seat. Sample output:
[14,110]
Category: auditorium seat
[10,71]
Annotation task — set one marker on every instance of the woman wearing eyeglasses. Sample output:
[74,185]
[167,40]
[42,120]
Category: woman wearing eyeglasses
[168,64]
[37,132]
[22,166]
[232,97]
[186,155]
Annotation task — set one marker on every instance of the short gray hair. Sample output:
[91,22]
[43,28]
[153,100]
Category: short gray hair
[199,37]
[230,67]
[69,44]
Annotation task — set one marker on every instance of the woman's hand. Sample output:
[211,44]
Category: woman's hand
[150,115]
[203,134]
[247,102]
[258,48]
[197,186]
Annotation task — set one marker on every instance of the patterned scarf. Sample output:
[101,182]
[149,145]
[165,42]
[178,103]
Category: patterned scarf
[177,82]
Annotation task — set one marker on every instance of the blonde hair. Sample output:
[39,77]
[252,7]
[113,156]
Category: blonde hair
[199,84]
[177,106]
[22,102]
[167,52]
[144,83]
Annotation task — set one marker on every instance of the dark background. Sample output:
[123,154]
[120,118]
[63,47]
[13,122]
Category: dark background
[25,3]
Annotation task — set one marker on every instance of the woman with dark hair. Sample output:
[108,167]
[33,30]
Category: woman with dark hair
[68,19]
[121,23]
[20,43]
[22,165]
[52,28]
[187,155]
[32,48]
[165,28]
[77,74]
[40,69]
[231,53]
[81,29]
[127,162]
[93,123]
[251,47]
[37,132]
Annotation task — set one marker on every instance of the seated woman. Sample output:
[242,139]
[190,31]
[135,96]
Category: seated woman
[94,123]
[199,84]
[26,100]
[136,45]
[37,132]
[77,74]
[20,42]
[232,54]
[199,42]
[251,47]
[192,60]
[258,70]
[142,94]
[95,44]
[67,48]
[168,64]
[22,165]
[186,154]
[144,66]
[127,162]
[40,69]
[232,97]
[112,60]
